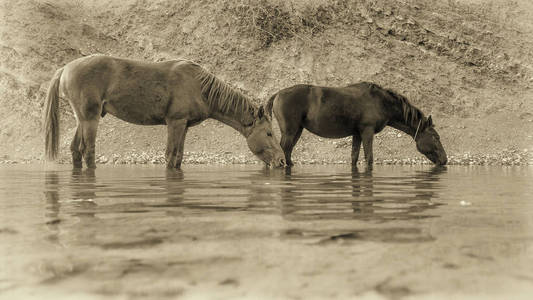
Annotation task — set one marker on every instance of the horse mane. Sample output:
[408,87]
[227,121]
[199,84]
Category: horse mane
[222,97]
[410,113]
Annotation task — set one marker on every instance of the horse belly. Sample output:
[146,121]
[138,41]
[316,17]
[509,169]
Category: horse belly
[330,125]
[137,111]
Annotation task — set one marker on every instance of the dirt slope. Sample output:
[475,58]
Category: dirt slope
[469,63]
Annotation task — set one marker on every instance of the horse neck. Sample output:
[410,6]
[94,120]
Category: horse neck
[403,121]
[226,104]
[234,119]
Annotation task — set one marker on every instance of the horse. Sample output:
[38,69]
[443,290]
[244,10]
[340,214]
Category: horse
[360,110]
[177,93]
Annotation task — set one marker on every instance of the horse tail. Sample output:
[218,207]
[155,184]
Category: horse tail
[51,117]
[270,104]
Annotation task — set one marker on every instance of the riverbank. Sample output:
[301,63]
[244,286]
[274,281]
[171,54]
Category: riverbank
[507,157]
[468,63]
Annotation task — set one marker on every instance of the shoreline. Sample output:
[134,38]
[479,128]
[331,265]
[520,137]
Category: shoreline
[509,157]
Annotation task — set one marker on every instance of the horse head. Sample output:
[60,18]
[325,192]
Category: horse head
[262,142]
[428,142]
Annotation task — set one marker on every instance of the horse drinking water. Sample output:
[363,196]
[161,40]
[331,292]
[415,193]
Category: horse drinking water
[360,110]
[176,93]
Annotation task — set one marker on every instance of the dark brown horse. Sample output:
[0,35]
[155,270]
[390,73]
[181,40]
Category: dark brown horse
[360,110]
[176,93]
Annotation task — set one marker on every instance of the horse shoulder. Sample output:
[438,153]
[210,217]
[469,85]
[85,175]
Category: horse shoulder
[364,105]
[186,95]
[298,97]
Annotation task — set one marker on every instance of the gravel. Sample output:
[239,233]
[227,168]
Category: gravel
[506,157]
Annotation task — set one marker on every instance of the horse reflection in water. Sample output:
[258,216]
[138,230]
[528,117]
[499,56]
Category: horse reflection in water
[53,206]
[79,202]
[83,206]
[401,206]
[59,210]
[300,198]
[82,188]
[365,197]
[369,197]
[174,188]
[187,195]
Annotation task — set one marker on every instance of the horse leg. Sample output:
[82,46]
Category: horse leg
[177,129]
[75,148]
[87,108]
[88,141]
[368,136]
[356,147]
[288,140]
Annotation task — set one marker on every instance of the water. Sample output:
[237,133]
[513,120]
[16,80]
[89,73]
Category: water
[134,232]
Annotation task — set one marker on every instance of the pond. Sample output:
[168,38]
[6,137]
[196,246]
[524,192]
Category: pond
[245,232]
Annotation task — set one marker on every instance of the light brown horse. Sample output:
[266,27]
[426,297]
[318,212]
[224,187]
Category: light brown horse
[176,93]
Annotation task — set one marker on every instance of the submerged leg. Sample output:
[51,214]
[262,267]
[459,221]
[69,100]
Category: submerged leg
[87,108]
[88,142]
[356,147]
[177,129]
[367,136]
[290,124]
[288,140]
[75,148]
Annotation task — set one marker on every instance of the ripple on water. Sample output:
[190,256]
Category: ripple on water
[139,231]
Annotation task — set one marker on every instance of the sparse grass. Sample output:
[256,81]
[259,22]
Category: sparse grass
[269,21]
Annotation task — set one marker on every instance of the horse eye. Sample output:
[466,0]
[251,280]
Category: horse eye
[269,133]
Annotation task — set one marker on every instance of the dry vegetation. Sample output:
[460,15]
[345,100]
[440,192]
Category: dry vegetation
[467,62]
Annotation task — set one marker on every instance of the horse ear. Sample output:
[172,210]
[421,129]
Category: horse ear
[429,122]
[261,112]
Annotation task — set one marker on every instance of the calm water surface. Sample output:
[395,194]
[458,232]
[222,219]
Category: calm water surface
[225,232]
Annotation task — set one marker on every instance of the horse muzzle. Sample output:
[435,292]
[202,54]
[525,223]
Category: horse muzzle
[439,160]
[277,163]
[442,158]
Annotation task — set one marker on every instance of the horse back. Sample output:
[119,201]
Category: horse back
[107,73]
[135,91]
[350,98]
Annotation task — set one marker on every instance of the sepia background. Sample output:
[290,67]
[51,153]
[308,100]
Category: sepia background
[320,230]
[469,63]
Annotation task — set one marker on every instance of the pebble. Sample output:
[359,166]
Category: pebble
[506,157]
